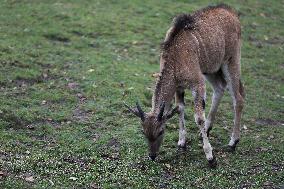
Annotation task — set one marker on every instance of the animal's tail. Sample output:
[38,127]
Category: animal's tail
[242,89]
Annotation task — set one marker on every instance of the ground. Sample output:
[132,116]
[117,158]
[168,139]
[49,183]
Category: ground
[66,68]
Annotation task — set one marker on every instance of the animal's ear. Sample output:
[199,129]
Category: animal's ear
[136,111]
[171,113]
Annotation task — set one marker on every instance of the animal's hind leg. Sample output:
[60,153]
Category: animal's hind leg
[232,76]
[198,91]
[182,131]
[218,84]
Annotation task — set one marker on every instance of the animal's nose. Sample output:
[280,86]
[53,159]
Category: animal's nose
[152,157]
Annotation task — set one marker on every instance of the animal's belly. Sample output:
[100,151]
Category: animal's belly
[210,67]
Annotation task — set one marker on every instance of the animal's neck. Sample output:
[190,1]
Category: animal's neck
[164,90]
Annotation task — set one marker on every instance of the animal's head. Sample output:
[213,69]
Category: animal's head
[153,125]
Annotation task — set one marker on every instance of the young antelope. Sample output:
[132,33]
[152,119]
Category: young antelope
[205,45]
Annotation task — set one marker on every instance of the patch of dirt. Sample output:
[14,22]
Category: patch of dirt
[78,33]
[139,165]
[4,156]
[255,169]
[50,122]
[269,185]
[277,167]
[111,150]
[93,45]
[275,40]
[57,37]
[268,41]
[93,35]
[168,175]
[14,63]
[79,114]
[81,34]
[2,174]
[13,120]
[82,116]
[73,85]
[246,184]
[83,163]
[113,144]
[95,186]
[268,122]
[256,42]
[22,82]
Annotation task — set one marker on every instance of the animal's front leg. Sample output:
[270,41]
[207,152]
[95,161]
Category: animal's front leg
[182,131]
[199,109]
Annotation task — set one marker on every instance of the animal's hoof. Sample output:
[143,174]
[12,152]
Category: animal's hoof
[182,147]
[181,144]
[232,148]
[152,157]
[212,163]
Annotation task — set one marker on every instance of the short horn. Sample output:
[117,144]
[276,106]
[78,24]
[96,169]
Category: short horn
[130,109]
[161,113]
[140,111]
[171,113]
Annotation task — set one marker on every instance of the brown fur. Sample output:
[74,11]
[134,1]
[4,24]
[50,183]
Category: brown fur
[206,43]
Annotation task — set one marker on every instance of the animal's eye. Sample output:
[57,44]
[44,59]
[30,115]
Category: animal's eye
[161,132]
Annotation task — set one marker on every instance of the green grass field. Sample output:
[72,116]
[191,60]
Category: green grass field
[66,68]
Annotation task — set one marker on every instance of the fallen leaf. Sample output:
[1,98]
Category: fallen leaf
[94,186]
[262,14]
[173,126]
[255,24]
[263,149]
[31,127]
[73,178]
[30,179]
[94,85]
[271,137]
[91,70]
[73,85]
[95,138]
[44,75]
[168,166]
[134,42]
[52,183]
[265,38]
[79,95]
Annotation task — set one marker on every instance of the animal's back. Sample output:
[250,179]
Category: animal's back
[218,32]
[212,34]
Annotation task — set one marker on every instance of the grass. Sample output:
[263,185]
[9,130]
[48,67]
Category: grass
[67,66]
